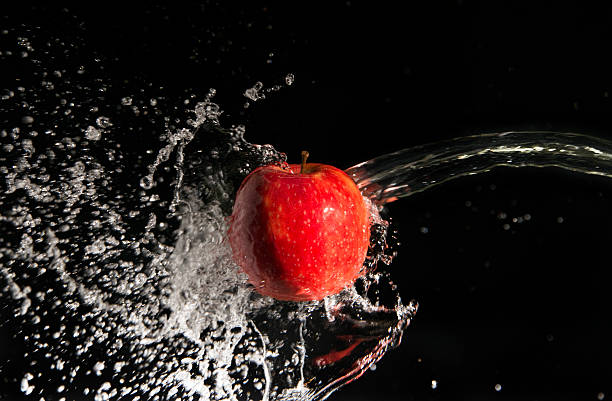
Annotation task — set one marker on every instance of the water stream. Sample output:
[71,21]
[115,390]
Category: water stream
[399,174]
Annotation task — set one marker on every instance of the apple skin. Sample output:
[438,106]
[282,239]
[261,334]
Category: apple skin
[299,235]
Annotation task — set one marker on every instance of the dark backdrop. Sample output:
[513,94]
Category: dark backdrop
[510,267]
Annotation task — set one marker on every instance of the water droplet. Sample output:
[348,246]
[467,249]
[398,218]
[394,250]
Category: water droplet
[103,122]
[92,133]
[25,386]
[151,223]
[289,79]
[254,93]
[146,182]
[98,368]
[98,247]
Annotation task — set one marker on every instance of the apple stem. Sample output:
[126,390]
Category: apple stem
[305,155]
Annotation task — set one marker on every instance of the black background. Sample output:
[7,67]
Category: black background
[523,305]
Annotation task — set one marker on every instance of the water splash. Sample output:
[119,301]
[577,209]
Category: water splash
[183,310]
[114,259]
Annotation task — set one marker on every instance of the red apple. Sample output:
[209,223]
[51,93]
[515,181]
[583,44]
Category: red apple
[300,232]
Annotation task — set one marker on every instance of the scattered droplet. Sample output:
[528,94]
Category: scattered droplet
[98,368]
[92,133]
[289,79]
[146,182]
[103,122]
[254,93]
